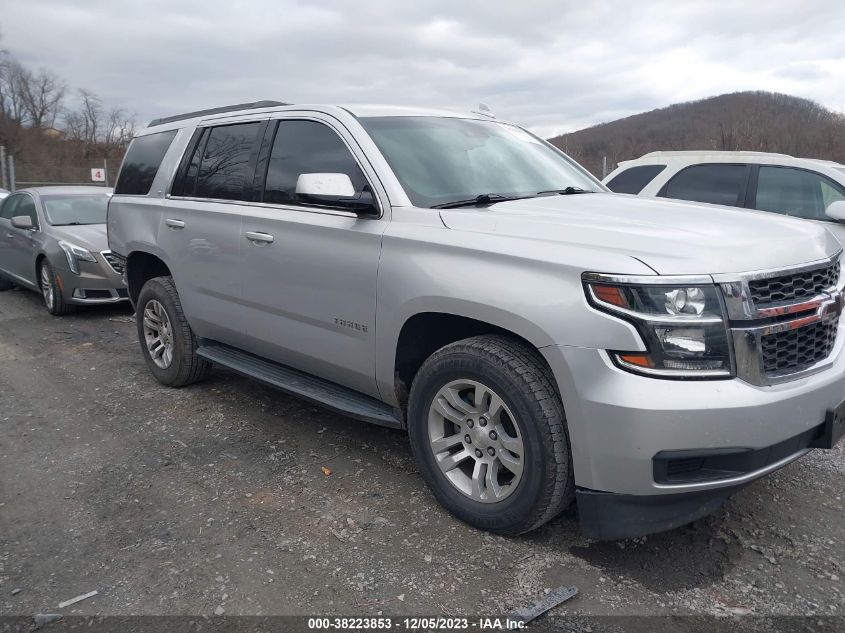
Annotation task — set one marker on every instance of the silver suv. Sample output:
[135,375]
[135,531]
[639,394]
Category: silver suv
[541,339]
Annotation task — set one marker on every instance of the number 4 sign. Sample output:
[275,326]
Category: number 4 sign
[98,175]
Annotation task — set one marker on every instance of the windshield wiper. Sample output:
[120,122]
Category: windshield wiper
[484,198]
[566,191]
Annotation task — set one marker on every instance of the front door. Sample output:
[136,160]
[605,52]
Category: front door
[309,272]
[17,256]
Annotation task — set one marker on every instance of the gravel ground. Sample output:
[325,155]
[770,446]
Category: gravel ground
[214,498]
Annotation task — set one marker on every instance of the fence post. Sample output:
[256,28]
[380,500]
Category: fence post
[106,170]
[11,173]
[3,165]
[603,167]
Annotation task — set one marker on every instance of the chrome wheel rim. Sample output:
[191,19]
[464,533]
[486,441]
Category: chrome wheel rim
[46,285]
[476,441]
[158,334]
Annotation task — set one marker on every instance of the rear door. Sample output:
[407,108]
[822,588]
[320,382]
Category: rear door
[309,282]
[201,226]
[714,183]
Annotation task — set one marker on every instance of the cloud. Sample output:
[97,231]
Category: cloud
[552,66]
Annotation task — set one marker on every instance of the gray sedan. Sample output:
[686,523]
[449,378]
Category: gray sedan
[53,240]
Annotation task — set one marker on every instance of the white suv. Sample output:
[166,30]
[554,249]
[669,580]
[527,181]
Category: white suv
[800,187]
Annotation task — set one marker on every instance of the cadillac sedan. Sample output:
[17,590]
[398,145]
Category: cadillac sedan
[53,241]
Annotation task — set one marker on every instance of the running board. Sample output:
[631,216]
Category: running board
[317,390]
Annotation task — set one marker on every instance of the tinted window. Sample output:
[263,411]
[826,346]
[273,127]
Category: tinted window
[717,184]
[141,164]
[795,192]
[186,181]
[633,180]
[79,209]
[306,147]
[224,167]
[9,206]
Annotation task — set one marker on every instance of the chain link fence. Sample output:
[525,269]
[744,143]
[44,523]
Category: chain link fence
[18,174]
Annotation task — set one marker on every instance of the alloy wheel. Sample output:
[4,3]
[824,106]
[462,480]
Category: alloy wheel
[158,334]
[476,441]
[47,286]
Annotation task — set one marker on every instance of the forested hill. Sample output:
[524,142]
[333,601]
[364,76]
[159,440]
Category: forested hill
[751,121]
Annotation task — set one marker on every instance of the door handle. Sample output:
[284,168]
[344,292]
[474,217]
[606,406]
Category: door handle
[258,238]
[11,236]
[175,224]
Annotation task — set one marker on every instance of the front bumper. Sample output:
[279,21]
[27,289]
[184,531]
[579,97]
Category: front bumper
[97,283]
[619,422]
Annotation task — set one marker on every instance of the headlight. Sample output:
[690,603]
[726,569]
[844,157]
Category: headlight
[76,254]
[682,325]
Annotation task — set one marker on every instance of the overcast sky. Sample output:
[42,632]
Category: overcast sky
[551,66]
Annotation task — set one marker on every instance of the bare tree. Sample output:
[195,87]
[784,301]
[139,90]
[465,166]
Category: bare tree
[42,94]
[119,127]
[12,75]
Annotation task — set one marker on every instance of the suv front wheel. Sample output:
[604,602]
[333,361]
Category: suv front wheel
[167,341]
[488,432]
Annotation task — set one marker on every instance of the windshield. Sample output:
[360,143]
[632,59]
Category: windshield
[75,209]
[441,160]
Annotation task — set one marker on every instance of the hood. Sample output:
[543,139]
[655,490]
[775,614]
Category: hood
[89,236]
[671,237]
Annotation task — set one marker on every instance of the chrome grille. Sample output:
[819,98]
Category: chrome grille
[114,261]
[794,286]
[795,350]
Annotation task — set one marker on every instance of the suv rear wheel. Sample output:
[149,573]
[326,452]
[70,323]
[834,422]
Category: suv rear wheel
[488,432]
[167,341]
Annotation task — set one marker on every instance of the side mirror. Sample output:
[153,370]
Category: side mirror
[335,190]
[22,222]
[836,210]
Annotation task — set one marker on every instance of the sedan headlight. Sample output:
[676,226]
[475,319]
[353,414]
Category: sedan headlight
[76,254]
[682,325]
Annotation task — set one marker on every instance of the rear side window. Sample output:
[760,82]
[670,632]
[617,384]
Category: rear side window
[224,168]
[306,147]
[796,192]
[634,179]
[141,164]
[713,183]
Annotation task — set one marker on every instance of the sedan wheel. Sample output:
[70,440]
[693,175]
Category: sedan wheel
[47,287]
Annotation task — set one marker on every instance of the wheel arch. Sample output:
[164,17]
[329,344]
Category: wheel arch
[141,266]
[423,333]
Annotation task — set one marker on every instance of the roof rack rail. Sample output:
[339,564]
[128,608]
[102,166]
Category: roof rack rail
[220,110]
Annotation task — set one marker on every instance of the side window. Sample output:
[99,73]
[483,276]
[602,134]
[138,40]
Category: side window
[794,192]
[141,163]
[307,147]
[634,179]
[186,180]
[10,205]
[224,166]
[26,206]
[714,183]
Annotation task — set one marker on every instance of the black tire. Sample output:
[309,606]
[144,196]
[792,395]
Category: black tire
[186,367]
[519,375]
[5,284]
[51,291]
